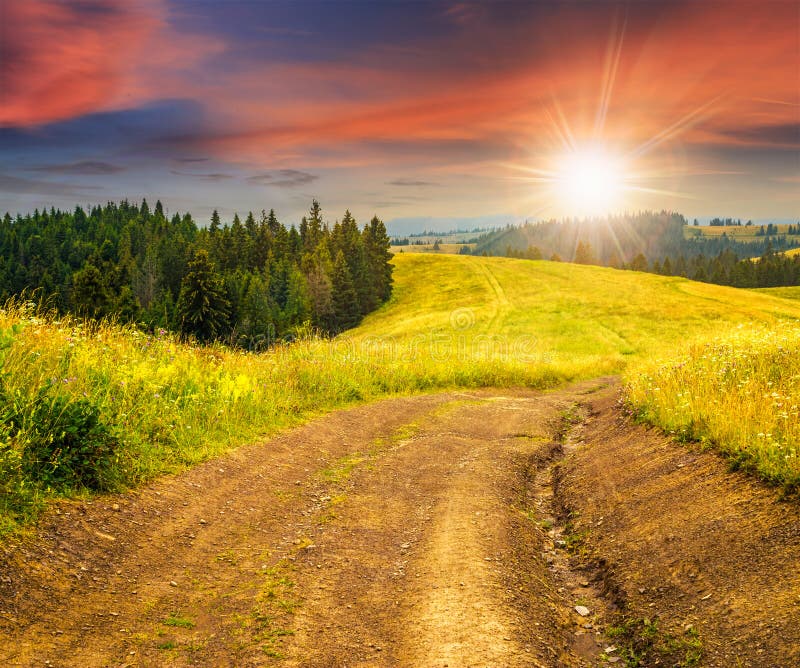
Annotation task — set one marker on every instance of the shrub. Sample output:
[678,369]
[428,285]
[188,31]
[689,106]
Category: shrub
[58,440]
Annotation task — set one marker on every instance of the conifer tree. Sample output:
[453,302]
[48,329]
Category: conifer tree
[215,222]
[89,293]
[203,308]
[345,300]
[378,262]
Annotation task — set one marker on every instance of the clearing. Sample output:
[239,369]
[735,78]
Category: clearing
[454,529]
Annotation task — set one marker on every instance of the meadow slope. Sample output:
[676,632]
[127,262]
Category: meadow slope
[577,321]
[152,404]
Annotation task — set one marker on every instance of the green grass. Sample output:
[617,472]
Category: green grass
[176,620]
[547,319]
[154,405]
[785,293]
[739,393]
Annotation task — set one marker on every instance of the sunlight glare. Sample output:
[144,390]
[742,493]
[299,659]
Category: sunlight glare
[589,183]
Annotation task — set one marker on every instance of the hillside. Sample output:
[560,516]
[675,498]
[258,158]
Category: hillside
[579,321]
[618,240]
[152,404]
[784,293]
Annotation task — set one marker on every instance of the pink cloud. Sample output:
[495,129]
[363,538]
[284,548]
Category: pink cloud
[62,60]
[685,75]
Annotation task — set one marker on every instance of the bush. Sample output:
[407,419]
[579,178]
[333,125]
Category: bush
[62,442]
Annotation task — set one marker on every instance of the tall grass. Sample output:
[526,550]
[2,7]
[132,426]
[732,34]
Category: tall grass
[739,394]
[161,404]
[98,406]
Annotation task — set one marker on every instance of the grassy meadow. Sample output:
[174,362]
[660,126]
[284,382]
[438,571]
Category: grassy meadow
[739,393]
[738,232]
[785,293]
[102,407]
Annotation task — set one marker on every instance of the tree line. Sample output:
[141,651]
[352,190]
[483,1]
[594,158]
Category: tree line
[617,240]
[653,242]
[726,268]
[249,282]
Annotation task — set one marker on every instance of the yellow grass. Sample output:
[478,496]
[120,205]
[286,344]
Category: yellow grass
[786,293]
[453,321]
[739,393]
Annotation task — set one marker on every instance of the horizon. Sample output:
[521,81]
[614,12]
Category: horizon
[458,114]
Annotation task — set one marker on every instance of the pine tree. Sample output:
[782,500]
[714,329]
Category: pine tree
[378,259]
[215,222]
[257,313]
[639,263]
[314,225]
[584,253]
[345,300]
[203,308]
[89,293]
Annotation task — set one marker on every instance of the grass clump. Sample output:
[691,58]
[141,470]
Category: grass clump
[178,621]
[739,394]
[644,643]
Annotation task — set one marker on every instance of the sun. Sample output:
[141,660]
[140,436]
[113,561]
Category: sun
[589,182]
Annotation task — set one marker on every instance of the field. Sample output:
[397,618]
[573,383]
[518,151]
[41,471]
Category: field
[739,393]
[445,248]
[151,404]
[784,293]
[742,233]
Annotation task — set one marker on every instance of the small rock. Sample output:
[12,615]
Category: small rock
[582,610]
[610,649]
[203,522]
[172,583]
[584,583]
[115,507]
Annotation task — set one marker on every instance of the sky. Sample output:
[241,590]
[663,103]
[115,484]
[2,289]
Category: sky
[418,112]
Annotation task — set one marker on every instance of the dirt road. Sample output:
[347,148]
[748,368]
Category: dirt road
[412,532]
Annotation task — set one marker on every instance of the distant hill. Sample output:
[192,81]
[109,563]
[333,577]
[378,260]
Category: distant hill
[403,227]
[617,240]
[453,311]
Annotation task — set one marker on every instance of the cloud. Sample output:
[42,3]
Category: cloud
[187,160]
[22,186]
[214,176]
[283,178]
[66,59]
[85,167]
[541,67]
[412,184]
[783,135]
